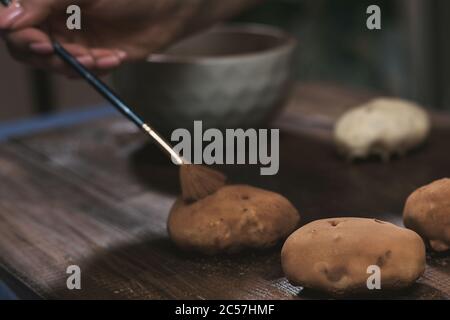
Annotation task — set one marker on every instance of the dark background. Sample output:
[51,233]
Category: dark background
[408,57]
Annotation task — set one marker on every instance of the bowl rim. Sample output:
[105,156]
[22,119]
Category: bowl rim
[289,43]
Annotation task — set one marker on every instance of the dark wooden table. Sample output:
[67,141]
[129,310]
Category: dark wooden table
[96,196]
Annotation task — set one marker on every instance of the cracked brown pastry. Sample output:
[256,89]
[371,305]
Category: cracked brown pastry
[427,211]
[333,255]
[233,218]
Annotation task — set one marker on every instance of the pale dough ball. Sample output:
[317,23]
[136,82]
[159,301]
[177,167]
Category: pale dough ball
[427,211]
[333,255]
[233,218]
[383,127]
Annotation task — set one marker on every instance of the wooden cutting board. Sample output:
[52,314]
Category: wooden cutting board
[94,195]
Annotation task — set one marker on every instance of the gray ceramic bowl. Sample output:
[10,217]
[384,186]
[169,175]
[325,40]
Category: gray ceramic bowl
[233,76]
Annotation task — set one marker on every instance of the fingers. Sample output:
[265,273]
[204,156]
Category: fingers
[21,42]
[19,15]
[34,47]
[31,45]
[107,59]
[9,15]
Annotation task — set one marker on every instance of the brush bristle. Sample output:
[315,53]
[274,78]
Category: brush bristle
[198,181]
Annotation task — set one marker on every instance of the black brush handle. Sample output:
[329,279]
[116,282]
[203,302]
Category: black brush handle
[95,82]
[109,95]
[98,84]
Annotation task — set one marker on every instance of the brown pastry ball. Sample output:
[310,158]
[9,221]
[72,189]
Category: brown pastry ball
[333,255]
[233,218]
[427,211]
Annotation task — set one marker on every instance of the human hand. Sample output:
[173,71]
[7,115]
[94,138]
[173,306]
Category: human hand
[112,31]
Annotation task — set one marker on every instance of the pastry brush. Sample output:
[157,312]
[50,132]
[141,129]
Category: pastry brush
[197,181]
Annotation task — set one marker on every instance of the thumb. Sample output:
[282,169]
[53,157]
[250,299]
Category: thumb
[23,14]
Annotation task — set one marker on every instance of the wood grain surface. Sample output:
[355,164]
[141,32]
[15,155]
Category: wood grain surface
[97,196]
